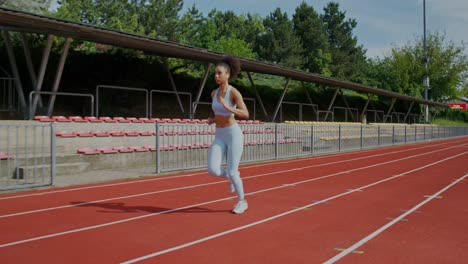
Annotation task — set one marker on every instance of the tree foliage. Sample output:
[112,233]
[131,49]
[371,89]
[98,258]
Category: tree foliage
[279,43]
[347,57]
[403,70]
[310,28]
[33,6]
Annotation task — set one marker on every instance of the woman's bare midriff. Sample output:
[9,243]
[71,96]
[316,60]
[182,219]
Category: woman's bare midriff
[224,121]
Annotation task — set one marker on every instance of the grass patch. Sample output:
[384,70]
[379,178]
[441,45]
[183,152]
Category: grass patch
[447,122]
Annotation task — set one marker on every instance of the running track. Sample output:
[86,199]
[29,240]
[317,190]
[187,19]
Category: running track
[403,204]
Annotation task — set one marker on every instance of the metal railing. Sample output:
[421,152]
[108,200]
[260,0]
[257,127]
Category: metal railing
[27,155]
[353,111]
[59,93]
[8,95]
[300,110]
[28,151]
[121,88]
[378,115]
[168,92]
[185,146]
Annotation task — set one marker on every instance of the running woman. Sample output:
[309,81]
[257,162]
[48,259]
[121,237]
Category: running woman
[227,102]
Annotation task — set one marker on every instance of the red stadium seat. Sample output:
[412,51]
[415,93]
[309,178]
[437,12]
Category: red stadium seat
[107,150]
[117,133]
[93,119]
[65,134]
[150,147]
[84,134]
[77,119]
[107,119]
[132,133]
[123,149]
[5,156]
[46,119]
[146,133]
[138,149]
[88,151]
[37,118]
[120,119]
[100,133]
[61,119]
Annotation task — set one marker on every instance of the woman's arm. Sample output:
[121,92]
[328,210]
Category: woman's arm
[211,119]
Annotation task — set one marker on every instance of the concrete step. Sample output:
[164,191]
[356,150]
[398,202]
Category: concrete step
[12,149]
[61,169]
[59,158]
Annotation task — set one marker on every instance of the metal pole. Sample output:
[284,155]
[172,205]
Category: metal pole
[42,69]
[331,103]
[308,97]
[52,153]
[29,64]
[257,95]
[426,60]
[390,109]
[58,75]
[14,68]
[408,113]
[200,90]
[280,100]
[158,156]
[174,87]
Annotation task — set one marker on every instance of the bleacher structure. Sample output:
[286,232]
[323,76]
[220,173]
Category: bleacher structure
[58,145]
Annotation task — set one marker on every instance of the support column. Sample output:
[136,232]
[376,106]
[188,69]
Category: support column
[27,55]
[58,75]
[390,109]
[280,100]
[173,86]
[40,78]
[367,103]
[409,110]
[332,102]
[14,68]
[200,90]
[365,107]
[309,98]
[257,95]
[347,105]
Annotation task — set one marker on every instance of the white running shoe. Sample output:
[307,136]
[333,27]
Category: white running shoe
[240,207]
[231,188]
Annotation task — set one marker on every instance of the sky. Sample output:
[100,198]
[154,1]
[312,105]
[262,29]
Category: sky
[381,24]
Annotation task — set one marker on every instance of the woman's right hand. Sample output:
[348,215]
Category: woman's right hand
[210,120]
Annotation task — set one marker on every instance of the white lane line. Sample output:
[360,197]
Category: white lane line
[388,225]
[428,145]
[351,249]
[218,182]
[196,205]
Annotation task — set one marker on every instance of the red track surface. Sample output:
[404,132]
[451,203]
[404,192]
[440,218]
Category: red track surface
[301,211]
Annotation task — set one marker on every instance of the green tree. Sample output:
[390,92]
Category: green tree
[403,70]
[160,18]
[311,30]
[33,6]
[347,57]
[191,24]
[279,44]
[234,46]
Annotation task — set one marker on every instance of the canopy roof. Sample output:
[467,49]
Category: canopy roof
[21,21]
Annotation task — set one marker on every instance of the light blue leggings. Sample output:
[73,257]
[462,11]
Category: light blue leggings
[227,140]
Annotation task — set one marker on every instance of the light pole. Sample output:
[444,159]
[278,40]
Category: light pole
[426,60]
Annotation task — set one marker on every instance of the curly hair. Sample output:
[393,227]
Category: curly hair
[232,65]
